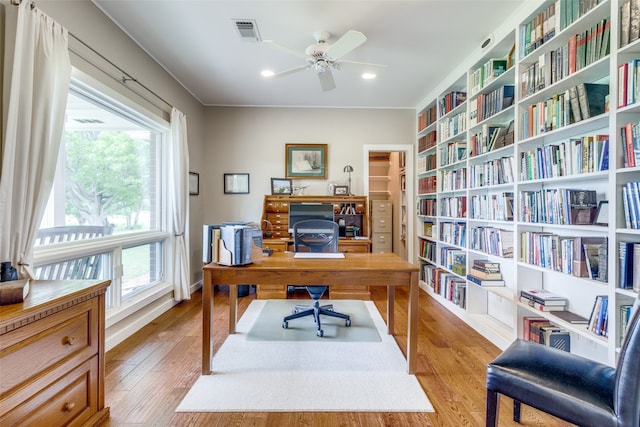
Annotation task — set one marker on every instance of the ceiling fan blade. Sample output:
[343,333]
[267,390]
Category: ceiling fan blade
[326,80]
[345,44]
[361,65]
[283,48]
[290,71]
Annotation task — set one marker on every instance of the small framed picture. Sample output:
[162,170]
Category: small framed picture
[602,214]
[236,183]
[341,190]
[194,184]
[281,186]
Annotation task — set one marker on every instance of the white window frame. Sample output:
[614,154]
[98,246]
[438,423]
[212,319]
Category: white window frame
[118,309]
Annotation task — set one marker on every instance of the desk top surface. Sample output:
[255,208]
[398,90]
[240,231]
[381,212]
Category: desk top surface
[283,261]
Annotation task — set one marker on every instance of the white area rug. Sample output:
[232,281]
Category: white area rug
[307,376]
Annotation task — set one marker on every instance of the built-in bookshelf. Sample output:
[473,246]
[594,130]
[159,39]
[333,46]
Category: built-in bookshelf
[527,161]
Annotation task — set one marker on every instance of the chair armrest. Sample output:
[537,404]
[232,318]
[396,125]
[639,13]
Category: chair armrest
[541,364]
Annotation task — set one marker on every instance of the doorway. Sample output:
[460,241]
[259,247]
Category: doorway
[388,171]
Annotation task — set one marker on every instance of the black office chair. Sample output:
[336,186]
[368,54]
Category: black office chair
[315,235]
[575,389]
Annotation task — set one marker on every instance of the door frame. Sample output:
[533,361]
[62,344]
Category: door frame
[408,149]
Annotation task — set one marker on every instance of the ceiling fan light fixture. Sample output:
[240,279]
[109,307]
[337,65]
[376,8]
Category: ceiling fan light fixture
[369,76]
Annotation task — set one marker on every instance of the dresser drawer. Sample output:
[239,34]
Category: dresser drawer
[33,349]
[353,246]
[276,206]
[71,400]
[381,242]
[382,225]
[381,208]
[278,218]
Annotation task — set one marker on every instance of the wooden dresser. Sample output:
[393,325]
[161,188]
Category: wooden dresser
[275,220]
[52,355]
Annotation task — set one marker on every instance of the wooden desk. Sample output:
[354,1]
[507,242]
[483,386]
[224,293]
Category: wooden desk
[346,245]
[374,269]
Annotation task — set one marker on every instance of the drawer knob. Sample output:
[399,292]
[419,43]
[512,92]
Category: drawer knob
[68,340]
[68,407]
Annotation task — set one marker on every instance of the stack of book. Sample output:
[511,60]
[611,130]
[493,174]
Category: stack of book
[543,300]
[485,273]
[542,331]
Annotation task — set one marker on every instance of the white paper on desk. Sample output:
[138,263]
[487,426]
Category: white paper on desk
[332,255]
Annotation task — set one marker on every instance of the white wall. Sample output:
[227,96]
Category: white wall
[252,140]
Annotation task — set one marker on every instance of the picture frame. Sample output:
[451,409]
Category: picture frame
[236,183]
[602,214]
[307,161]
[281,186]
[341,190]
[194,183]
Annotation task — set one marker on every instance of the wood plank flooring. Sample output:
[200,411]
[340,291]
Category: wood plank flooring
[148,374]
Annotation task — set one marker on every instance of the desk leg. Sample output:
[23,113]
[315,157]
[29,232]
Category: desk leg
[207,323]
[412,327]
[233,308]
[391,298]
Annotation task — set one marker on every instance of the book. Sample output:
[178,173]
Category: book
[541,307]
[575,104]
[556,337]
[591,258]
[635,284]
[582,206]
[591,97]
[625,23]
[634,21]
[542,296]
[625,264]
[527,323]
[598,314]
[486,265]
[579,266]
[14,291]
[571,317]
[485,275]
[485,282]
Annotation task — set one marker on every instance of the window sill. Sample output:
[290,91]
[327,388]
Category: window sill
[136,303]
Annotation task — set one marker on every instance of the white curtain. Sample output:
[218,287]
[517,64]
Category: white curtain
[179,202]
[35,106]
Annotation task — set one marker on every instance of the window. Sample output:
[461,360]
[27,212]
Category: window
[105,215]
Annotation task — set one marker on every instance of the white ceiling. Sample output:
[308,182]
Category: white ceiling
[197,42]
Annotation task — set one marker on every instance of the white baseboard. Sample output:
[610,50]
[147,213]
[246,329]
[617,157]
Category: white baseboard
[124,328]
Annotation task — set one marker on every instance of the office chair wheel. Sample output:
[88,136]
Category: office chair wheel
[347,322]
[320,333]
[285,324]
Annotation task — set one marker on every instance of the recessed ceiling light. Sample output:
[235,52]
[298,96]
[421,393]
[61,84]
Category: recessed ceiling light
[267,73]
[368,76]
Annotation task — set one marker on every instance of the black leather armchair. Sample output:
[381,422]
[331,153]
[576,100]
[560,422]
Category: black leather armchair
[575,389]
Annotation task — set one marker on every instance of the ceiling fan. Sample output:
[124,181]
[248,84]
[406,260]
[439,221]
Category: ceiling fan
[323,56]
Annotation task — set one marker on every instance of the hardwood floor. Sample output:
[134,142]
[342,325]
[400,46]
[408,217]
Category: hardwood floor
[148,374]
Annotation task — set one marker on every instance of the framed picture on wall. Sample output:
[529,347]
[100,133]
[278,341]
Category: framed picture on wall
[236,183]
[194,184]
[281,186]
[306,161]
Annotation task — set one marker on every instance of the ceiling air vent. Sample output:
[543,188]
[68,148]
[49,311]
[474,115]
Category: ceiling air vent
[248,29]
